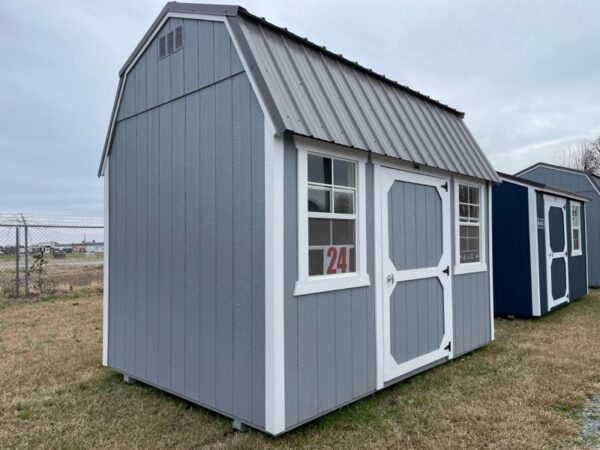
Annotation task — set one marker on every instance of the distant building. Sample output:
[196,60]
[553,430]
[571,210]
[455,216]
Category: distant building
[88,247]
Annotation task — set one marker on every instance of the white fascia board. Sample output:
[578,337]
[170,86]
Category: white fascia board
[490,246]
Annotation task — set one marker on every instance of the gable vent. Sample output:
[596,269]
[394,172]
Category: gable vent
[178,38]
[162,47]
[170,42]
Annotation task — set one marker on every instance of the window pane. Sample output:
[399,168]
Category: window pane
[315,262]
[319,169]
[474,195]
[474,213]
[343,202]
[343,173]
[342,232]
[319,232]
[575,239]
[463,194]
[319,200]
[463,212]
[469,244]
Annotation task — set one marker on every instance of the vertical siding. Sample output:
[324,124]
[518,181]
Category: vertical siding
[329,337]
[471,311]
[577,183]
[187,230]
[511,246]
[207,56]
[470,299]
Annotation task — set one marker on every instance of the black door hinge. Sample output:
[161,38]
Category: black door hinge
[445,186]
[449,346]
[447,270]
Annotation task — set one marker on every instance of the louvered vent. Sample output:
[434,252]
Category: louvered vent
[178,38]
[170,42]
[162,47]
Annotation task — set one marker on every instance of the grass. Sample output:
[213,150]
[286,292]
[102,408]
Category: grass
[525,390]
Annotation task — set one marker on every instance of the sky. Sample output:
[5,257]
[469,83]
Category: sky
[527,75]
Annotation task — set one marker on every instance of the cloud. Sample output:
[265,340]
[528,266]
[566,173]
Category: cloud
[525,73]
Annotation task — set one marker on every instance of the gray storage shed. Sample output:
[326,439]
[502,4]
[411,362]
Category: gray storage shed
[287,231]
[579,182]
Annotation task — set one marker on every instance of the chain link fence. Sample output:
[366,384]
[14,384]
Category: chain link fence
[50,254]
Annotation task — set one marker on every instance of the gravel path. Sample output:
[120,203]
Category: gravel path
[589,434]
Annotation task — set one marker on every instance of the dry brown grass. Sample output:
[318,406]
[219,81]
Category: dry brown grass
[523,391]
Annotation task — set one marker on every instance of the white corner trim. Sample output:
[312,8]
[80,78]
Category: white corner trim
[306,284]
[106,266]
[481,266]
[274,284]
[379,379]
[534,261]
[490,245]
[587,263]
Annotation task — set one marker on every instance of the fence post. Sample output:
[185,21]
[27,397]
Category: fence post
[18,250]
[26,230]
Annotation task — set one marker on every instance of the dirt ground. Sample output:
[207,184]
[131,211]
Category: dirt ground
[530,389]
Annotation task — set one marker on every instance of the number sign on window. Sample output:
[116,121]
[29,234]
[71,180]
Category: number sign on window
[336,259]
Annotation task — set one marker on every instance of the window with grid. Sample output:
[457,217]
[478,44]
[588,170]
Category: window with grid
[331,215]
[576,228]
[469,210]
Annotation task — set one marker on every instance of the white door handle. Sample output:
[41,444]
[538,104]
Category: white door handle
[390,278]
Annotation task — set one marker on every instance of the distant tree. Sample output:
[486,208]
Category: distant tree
[584,155]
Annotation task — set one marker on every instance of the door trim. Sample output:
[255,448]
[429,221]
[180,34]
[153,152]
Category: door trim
[385,371]
[551,201]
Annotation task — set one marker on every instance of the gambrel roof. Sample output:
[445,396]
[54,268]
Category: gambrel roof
[593,179]
[310,91]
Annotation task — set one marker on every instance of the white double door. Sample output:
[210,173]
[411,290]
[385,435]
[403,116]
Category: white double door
[415,290]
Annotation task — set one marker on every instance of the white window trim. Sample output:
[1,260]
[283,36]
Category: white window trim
[324,283]
[578,205]
[481,266]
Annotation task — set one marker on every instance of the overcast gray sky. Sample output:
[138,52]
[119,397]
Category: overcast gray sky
[527,74]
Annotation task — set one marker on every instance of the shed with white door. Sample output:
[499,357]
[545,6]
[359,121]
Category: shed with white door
[288,231]
[581,183]
[540,247]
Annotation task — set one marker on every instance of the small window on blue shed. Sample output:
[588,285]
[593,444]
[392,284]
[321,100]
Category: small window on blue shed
[170,42]
[162,47]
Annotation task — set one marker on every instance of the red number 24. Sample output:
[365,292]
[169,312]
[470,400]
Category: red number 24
[337,260]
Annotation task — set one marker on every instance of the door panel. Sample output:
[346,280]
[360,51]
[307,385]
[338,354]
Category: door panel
[557,231]
[415,279]
[408,248]
[416,318]
[559,278]
[557,263]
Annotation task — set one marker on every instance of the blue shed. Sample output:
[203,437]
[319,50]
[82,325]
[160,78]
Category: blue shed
[287,230]
[582,183]
[539,245]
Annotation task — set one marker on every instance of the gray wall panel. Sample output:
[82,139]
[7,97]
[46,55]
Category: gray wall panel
[577,183]
[329,337]
[141,237]
[187,255]
[471,310]
[153,264]
[208,55]
[178,245]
